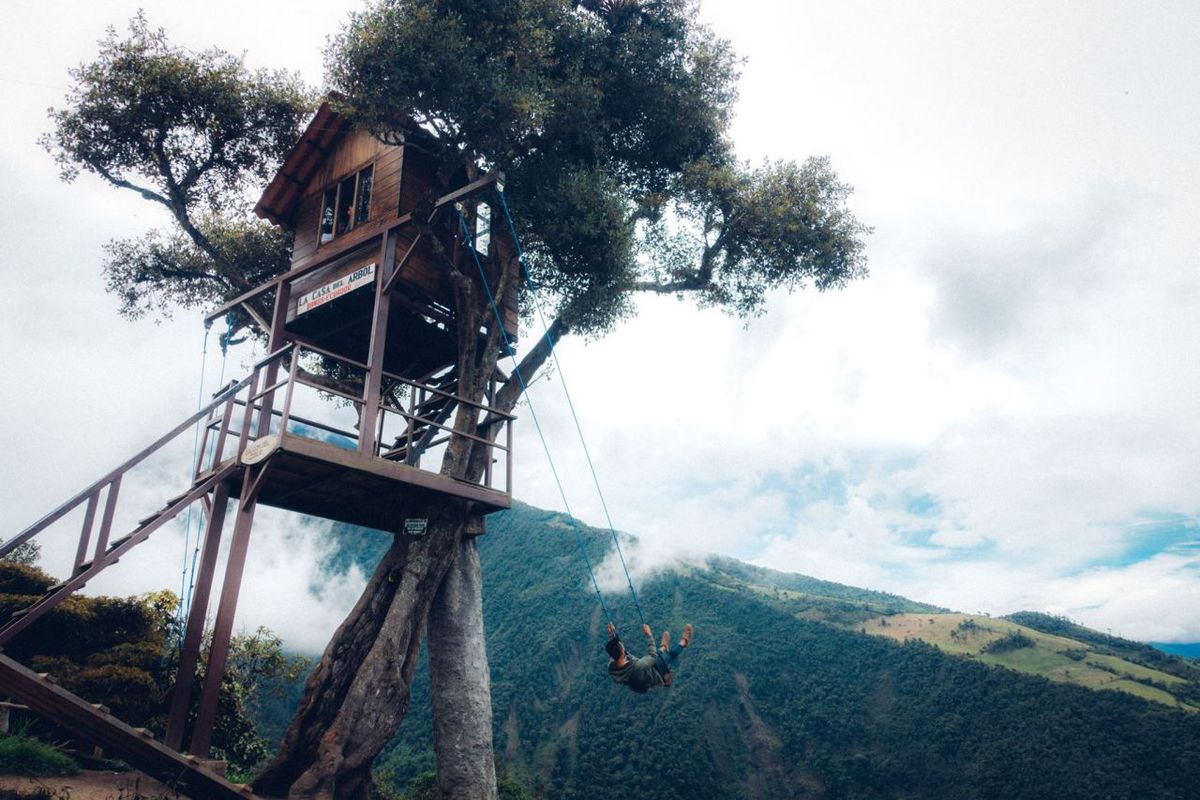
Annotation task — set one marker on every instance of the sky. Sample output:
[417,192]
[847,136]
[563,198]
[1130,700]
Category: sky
[1001,417]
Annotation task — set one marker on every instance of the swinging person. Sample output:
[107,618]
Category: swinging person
[652,669]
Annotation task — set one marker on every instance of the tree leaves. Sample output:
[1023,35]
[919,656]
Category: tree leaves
[194,133]
[611,120]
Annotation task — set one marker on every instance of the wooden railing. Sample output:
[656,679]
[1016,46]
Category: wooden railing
[246,410]
[109,486]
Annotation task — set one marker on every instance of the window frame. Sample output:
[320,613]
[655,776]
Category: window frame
[352,220]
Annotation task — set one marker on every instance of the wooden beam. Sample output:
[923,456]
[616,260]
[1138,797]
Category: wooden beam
[101,728]
[377,347]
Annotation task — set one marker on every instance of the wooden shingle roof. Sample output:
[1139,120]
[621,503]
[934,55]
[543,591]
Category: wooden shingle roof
[278,203]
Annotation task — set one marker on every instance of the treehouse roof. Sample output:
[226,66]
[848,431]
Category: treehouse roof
[278,203]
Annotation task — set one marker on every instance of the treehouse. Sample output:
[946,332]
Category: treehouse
[369,301]
[365,323]
[339,192]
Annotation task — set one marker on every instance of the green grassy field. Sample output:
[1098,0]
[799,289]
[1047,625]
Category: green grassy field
[1058,658]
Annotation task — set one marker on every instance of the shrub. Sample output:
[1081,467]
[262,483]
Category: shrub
[24,755]
[1008,643]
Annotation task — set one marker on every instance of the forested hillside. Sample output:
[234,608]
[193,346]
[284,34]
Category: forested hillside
[782,694]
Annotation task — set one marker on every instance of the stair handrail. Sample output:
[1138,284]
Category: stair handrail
[222,396]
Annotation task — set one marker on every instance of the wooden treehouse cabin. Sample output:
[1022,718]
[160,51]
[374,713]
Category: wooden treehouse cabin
[363,322]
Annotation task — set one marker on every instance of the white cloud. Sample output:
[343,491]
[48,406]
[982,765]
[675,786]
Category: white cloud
[1025,352]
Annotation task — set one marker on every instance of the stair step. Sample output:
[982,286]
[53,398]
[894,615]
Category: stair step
[56,587]
[115,543]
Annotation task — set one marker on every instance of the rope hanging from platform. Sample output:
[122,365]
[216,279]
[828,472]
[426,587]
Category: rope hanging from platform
[187,576]
[562,379]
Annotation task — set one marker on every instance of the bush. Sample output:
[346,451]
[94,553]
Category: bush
[1008,643]
[24,755]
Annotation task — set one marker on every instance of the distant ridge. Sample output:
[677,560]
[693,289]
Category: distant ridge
[1191,650]
[800,688]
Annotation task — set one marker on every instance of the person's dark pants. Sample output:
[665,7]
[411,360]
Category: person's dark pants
[666,660]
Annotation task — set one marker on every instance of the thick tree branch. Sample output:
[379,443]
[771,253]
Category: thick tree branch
[121,183]
[690,284]
[511,391]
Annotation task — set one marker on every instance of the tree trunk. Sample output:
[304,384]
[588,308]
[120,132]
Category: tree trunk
[358,694]
[460,683]
[356,698]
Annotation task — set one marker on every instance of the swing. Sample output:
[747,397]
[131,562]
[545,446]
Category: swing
[662,662]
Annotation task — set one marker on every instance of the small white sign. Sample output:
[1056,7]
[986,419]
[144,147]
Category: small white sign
[331,291]
[415,527]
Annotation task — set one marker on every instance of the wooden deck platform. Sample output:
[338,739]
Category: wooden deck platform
[323,480]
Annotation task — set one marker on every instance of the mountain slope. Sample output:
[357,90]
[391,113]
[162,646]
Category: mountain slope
[770,702]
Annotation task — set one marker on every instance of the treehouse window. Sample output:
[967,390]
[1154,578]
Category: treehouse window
[483,228]
[346,205]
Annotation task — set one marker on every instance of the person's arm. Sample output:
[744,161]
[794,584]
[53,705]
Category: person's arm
[623,660]
[650,636]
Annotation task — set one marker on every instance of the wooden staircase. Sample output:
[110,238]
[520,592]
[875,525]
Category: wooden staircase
[427,416]
[187,774]
[86,570]
[251,453]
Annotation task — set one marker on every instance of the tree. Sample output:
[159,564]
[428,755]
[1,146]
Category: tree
[191,133]
[27,554]
[116,652]
[610,119]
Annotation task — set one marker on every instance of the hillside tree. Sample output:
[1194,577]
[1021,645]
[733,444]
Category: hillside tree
[610,119]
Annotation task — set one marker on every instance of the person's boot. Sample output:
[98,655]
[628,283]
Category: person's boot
[666,640]
[686,638]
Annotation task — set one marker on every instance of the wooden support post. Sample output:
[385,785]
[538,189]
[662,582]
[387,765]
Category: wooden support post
[508,457]
[106,521]
[293,367]
[283,296]
[189,654]
[85,535]
[223,627]
[379,324]
[223,432]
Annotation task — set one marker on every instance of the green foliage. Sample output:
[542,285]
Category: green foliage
[24,755]
[1008,643]
[178,126]
[192,132]
[113,651]
[25,553]
[424,787]
[165,270]
[17,578]
[1137,652]
[257,672]
[611,120]
[770,705]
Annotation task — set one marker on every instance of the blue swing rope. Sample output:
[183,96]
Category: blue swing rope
[512,354]
[187,576]
[191,589]
[524,387]
[562,378]
[176,634]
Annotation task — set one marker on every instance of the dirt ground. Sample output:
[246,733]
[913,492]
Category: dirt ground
[89,785]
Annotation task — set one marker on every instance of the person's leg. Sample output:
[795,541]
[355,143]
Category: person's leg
[671,655]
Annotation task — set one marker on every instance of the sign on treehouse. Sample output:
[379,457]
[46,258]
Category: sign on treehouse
[318,297]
